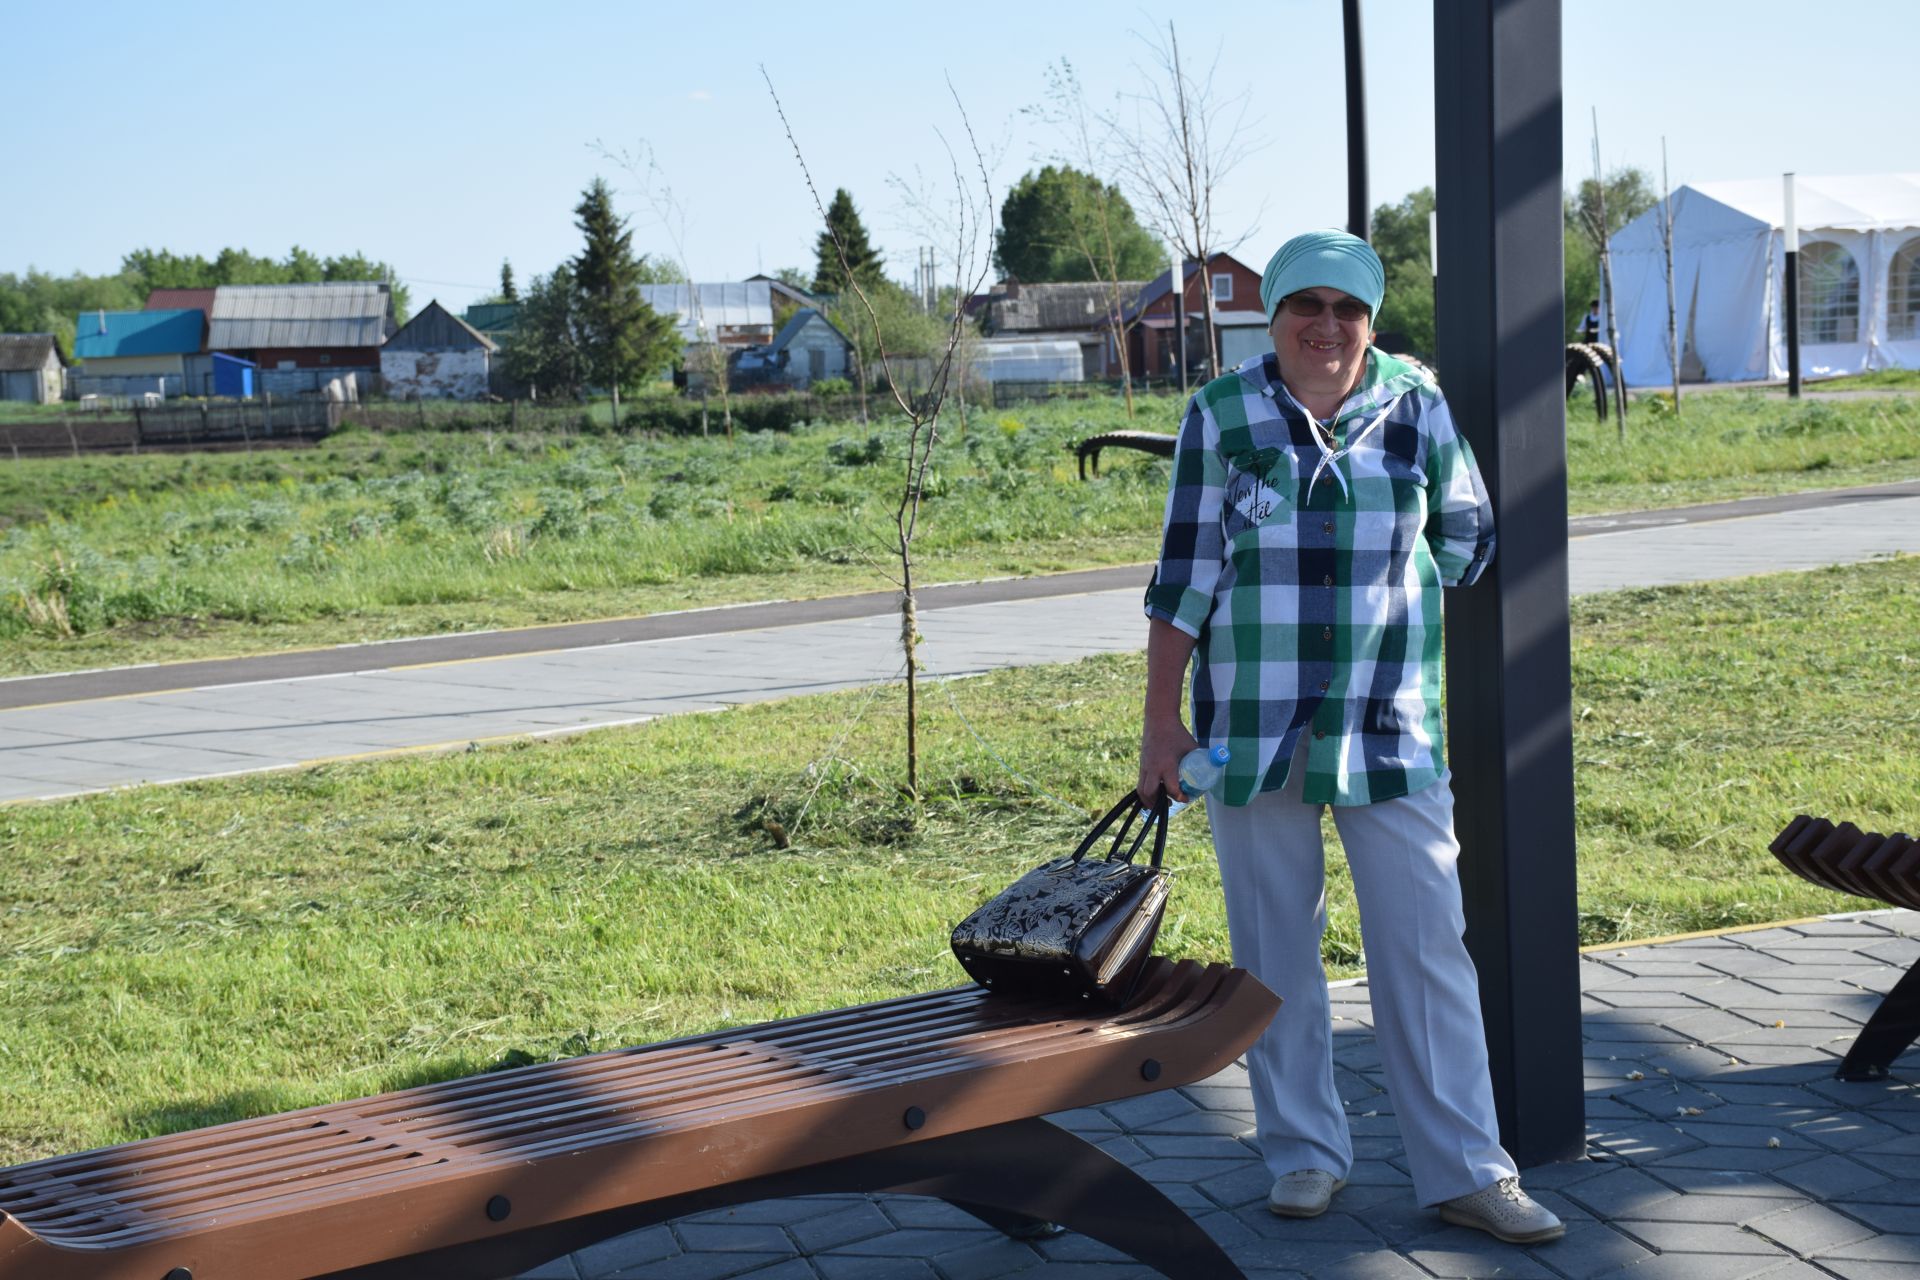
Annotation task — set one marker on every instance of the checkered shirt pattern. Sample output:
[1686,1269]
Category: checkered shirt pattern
[1316,604]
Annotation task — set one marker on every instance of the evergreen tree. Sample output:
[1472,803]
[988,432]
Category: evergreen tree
[843,221]
[507,291]
[1055,225]
[543,353]
[623,339]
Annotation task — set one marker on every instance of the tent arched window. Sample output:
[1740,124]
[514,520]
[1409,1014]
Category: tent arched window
[1903,293]
[1829,294]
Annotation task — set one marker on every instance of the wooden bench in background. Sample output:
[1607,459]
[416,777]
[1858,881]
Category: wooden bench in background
[1867,865]
[1153,442]
[936,1095]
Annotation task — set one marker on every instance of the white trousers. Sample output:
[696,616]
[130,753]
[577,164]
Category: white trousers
[1425,994]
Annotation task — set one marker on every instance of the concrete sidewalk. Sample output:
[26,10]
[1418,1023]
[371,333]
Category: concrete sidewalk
[1720,1148]
[703,661]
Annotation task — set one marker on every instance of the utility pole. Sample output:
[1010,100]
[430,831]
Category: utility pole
[1792,235]
[1359,212]
[1673,315]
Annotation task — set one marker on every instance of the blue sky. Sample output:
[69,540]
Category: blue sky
[446,137]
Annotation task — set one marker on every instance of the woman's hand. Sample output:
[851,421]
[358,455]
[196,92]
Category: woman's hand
[1162,744]
[1163,737]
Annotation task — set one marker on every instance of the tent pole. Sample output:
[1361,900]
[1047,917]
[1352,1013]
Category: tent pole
[1792,236]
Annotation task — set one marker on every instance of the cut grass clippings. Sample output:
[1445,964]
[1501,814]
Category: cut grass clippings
[106,561]
[177,956]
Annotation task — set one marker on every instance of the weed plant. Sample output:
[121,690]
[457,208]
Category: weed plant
[182,955]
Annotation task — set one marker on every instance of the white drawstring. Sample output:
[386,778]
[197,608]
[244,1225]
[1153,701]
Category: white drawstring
[1329,456]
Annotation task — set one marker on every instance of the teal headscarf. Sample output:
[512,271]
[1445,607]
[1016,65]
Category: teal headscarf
[1324,259]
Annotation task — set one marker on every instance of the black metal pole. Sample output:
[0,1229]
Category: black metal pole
[1790,236]
[1509,669]
[1359,212]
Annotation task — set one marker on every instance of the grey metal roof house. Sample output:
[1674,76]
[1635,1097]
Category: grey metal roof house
[734,314]
[305,338]
[31,368]
[276,316]
[808,347]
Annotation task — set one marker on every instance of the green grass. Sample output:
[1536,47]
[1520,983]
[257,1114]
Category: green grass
[112,560]
[183,955]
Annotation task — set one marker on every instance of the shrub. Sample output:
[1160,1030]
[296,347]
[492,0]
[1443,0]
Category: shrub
[830,388]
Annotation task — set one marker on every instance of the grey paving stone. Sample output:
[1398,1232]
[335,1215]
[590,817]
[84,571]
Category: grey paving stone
[1644,1141]
[1457,1252]
[922,1242]
[558,1269]
[1147,1110]
[1848,1269]
[1699,1237]
[1893,1219]
[920,1211]
[1878,1248]
[855,1222]
[841,1266]
[691,1266]
[1194,1146]
[1811,1228]
[1592,1248]
[1241,1184]
[1618,1194]
[650,1244]
[791,1269]
[1698,1266]
[1732,1210]
[1723,1182]
[1732,1162]
[1345,1223]
[734,1237]
[997,1257]
[1831,1176]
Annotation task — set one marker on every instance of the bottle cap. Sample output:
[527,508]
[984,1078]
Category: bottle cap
[1218,753]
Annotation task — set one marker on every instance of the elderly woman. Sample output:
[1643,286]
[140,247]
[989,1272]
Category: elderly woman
[1321,498]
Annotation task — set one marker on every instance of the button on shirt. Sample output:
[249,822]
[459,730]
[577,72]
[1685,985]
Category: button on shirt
[1307,563]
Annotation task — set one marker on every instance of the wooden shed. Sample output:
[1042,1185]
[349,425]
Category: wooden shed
[31,368]
[437,356]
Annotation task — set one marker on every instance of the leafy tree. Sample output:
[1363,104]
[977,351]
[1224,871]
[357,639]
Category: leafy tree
[862,259]
[896,320]
[1401,236]
[507,291]
[1050,230]
[623,339]
[163,269]
[41,303]
[654,270]
[545,351]
[1629,193]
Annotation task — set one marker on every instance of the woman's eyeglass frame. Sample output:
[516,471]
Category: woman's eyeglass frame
[1309,305]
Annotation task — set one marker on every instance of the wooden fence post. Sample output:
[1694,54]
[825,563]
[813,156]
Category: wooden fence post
[73,441]
[13,444]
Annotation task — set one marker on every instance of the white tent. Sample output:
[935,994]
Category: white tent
[1859,279]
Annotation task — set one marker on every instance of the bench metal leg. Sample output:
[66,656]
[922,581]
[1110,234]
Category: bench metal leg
[1893,1027]
[1016,1177]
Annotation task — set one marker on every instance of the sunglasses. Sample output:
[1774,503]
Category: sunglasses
[1312,304]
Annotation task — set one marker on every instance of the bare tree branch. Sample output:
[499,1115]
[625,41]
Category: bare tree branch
[922,412]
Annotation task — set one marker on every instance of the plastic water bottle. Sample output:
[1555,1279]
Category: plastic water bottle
[1201,770]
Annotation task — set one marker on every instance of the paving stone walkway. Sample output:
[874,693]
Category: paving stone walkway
[1720,1148]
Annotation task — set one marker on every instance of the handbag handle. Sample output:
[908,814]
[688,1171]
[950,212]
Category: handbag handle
[1131,807]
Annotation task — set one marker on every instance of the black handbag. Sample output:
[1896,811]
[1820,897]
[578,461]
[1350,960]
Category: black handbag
[1076,928]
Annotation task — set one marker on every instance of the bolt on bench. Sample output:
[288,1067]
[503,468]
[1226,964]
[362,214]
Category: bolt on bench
[1867,865]
[936,1095]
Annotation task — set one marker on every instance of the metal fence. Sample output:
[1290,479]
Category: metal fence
[234,424]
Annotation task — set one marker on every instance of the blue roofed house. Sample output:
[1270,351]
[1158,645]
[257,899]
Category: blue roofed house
[133,353]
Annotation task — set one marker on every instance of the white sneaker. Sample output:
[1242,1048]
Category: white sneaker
[1504,1212]
[1304,1193]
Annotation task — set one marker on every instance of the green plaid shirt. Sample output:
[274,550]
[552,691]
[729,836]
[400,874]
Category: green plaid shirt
[1309,565]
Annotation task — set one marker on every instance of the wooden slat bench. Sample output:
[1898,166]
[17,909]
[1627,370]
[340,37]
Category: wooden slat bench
[1867,865]
[935,1095]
